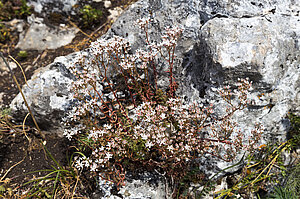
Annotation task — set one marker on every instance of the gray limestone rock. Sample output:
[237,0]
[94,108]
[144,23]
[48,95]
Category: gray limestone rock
[47,94]
[222,41]
[264,49]
[39,36]
[41,6]
[144,186]
[243,41]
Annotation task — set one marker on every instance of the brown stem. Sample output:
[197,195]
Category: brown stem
[23,96]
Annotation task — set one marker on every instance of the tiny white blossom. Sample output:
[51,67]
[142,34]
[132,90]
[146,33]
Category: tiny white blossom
[108,156]
[149,144]
[170,148]
[79,164]
[94,167]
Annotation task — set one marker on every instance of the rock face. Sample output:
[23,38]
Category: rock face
[146,185]
[266,50]
[39,36]
[226,41]
[56,5]
[222,41]
[47,94]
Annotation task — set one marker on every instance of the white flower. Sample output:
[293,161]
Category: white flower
[108,156]
[108,145]
[95,152]
[149,144]
[144,136]
[69,136]
[137,128]
[187,147]
[101,148]
[94,167]
[70,132]
[163,116]
[101,132]
[93,134]
[170,148]
[79,164]
[107,126]
[126,65]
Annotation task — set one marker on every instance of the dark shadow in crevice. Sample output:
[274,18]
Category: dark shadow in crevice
[204,73]
[201,71]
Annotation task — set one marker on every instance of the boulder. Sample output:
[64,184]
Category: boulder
[47,95]
[144,186]
[222,41]
[39,36]
[42,6]
[264,49]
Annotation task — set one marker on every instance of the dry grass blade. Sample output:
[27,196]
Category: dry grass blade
[23,127]
[73,24]
[25,101]
[1,180]
[20,69]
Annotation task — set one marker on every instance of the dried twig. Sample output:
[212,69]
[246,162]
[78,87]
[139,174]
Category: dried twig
[1,180]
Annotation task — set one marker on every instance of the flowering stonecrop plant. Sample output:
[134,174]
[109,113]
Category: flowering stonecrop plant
[122,116]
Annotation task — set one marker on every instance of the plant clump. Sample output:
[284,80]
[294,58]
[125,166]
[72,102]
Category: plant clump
[130,120]
[14,9]
[22,54]
[5,34]
[8,11]
[267,173]
[90,16]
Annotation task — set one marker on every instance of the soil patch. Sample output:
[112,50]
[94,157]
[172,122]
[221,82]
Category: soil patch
[23,159]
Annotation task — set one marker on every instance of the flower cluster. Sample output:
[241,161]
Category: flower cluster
[121,116]
[170,38]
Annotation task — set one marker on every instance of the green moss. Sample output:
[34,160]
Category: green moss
[23,54]
[90,15]
[4,34]
[14,9]
[4,112]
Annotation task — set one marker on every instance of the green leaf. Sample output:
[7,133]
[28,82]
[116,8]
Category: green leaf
[2,188]
[47,195]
